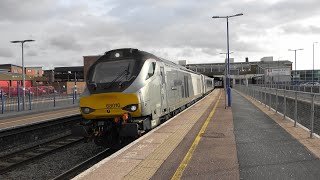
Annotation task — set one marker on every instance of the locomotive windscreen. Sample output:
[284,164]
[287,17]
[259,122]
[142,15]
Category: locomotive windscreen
[109,71]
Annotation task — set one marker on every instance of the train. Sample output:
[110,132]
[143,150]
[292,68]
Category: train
[129,92]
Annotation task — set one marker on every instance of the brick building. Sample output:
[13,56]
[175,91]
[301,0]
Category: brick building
[87,62]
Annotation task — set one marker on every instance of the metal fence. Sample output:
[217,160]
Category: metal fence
[313,89]
[36,102]
[302,107]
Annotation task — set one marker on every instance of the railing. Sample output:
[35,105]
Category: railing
[304,88]
[36,102]
[302,107]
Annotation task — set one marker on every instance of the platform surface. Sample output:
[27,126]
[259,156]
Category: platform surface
[24,119]
[242,142]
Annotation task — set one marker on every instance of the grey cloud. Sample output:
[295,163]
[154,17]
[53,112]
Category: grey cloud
[298,29]
[31,53]
[35,10]
[5,52]
[65,42]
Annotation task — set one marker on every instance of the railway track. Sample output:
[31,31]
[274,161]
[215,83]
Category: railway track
[85,165]
[35,133]
[19,158]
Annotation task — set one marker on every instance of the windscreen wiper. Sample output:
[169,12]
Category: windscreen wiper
[125,72]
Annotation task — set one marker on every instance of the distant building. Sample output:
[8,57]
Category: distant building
[231,60]
[303,76]
[87,62]
[182,62]
[65,74]
[248,72]
[11,68]
[49,74]
[34,71]
[267,59]
[11,75]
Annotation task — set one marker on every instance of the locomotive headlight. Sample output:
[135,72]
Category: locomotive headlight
[86,110]
[131,107]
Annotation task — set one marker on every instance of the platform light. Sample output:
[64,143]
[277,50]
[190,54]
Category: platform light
[228,65]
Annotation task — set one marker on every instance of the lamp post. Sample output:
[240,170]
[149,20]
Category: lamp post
[23,73]
[225,78]
[228,53]
[295,62]
[75,85]
[313,62]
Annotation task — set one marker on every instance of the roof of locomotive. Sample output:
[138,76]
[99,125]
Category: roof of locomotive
[144,56]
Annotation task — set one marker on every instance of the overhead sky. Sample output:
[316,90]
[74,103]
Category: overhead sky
[67,30]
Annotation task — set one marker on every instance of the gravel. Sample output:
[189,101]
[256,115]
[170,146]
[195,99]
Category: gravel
[54,164]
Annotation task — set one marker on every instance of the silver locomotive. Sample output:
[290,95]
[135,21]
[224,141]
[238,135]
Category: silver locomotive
[130,92]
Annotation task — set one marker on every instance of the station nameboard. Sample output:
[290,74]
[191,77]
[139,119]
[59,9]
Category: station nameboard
[277,72]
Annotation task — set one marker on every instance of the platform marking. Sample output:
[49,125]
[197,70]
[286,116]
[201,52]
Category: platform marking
[187,158]
[41,116]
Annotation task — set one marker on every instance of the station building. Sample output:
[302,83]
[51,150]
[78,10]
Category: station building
[66,79]
[11,75]
[303,76]
[265,71]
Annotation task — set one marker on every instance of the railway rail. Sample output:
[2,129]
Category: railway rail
[21,144]
[21,157]
[37,132]
[85,165]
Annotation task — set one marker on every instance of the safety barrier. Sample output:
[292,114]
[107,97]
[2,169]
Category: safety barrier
[36,102]
[302,107]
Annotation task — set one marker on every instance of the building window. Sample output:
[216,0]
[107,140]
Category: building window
[29,70]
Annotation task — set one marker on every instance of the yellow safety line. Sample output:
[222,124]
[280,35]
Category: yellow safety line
[47,115]
[187,158]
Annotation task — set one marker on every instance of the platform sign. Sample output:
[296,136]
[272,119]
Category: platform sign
[278,72]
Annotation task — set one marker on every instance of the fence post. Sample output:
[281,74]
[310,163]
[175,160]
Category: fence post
[54,99]
[75,92]
[73,97]
[276,100]
[285,104]
[253,93]
[265,97]
[2,102]
[312,115]
[18,98]
[260,95]
[270,100]
[295,108]
[30,100]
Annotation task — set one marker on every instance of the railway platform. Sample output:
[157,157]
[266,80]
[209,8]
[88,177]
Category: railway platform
[207,141]
[27,118]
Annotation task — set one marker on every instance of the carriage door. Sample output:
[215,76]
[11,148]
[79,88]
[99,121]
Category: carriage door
[164,103]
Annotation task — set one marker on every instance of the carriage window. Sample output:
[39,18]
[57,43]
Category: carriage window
[151,70]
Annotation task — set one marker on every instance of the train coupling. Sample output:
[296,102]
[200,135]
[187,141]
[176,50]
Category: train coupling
[136,127]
